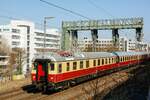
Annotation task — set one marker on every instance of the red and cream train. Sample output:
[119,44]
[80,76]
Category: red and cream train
[60,70]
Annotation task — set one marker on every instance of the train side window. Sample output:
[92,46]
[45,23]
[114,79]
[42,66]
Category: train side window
[102,61]
[113,59]
[105,60]
[109,60]
[52,67]
[94,62]
[59,68]
[98,61]
[87,64]
[81,64]
[74,65]
[68,66]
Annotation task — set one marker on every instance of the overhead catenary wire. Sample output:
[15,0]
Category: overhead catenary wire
[101,8]
[67,10]
[15,18]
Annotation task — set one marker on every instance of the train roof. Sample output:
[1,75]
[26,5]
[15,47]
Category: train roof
[131,53]
[83,55]
[76,56]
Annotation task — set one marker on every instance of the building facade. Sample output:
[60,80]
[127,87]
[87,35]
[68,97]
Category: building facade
[22,34]
[52,40]
[107,45]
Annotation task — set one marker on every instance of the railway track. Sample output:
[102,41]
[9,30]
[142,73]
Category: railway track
[105,84]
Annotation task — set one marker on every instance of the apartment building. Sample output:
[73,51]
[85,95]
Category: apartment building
[22,34]
[52,40]
[105,44]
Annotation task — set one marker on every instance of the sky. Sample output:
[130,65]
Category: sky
[35,10]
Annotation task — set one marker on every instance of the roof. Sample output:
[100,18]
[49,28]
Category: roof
[76,56]
[83,55]
[131,53]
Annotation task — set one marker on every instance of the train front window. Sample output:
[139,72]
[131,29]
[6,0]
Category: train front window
[35,65]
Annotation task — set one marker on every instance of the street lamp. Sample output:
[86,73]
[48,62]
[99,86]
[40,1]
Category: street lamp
[45,19]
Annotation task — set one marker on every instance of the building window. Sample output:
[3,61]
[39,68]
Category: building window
[28,37]
[15,43]
[68,66]
[5,29]
[28,54]
[15,37]
[28,29]
[74,65]
[28,60]
[28,48]
[15,30]
[81,64]
[28,42]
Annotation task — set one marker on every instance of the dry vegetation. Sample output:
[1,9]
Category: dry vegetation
[14,58]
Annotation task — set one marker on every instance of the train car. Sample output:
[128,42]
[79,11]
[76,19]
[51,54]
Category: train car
[62,70]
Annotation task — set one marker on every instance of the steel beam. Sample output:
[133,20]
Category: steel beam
[94,34]
[139,34]
[115,37]
[74,40]
[107,24]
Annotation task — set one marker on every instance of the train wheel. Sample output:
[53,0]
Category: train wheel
[68,84]
[45,89]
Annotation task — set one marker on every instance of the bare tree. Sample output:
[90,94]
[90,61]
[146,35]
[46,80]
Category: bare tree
[4,47]
[5,70]
[20,57]
[91,90]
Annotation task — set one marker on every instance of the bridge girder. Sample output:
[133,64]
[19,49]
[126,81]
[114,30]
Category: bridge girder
[108,24]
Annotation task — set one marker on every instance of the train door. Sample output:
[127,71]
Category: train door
[42,70]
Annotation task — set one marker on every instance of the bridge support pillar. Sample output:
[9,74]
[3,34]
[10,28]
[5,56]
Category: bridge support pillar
[115,37]
[74,40]
[94,34]
[139,34]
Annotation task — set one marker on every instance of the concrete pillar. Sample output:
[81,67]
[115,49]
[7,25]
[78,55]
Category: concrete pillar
[94,34]
[65,40]
[115,37]
[74,40]
[139,34]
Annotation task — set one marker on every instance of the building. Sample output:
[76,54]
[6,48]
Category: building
[4,61]
[107,45]
[52,40]
[22,34]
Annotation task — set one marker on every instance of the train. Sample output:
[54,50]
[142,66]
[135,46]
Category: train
[55,71]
